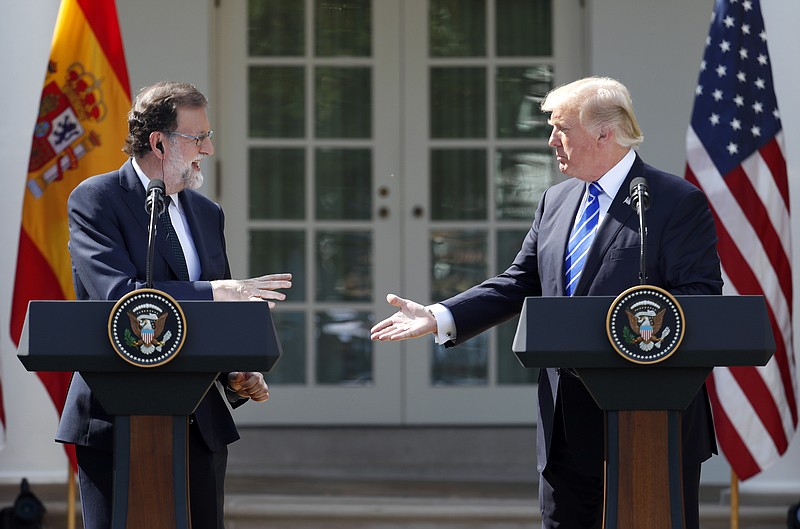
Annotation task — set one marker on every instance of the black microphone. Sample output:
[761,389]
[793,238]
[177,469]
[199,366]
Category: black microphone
[640,201]
[154,205]
[155,195]
[639,194]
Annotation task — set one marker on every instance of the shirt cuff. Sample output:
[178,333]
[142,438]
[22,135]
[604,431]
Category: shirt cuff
[446,326]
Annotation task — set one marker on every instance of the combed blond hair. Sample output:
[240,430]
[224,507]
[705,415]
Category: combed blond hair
[602,103]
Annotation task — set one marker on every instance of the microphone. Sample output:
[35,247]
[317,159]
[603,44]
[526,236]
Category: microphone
[640,201]
[155,195]
[639,194]
[154,205]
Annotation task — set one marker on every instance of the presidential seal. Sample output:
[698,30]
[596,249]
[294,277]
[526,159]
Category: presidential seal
[147,328]
[645,324]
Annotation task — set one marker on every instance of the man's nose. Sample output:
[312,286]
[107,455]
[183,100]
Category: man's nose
[207,147]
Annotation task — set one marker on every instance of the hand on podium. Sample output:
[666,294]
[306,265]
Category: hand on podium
[262,288]
[249,384]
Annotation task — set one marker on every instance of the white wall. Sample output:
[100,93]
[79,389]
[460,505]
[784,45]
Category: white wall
[654,47]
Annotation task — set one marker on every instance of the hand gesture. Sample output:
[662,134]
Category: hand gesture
[412,321]
[256,289]
[249,384]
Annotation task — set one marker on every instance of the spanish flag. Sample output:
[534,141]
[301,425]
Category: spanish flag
[79,132]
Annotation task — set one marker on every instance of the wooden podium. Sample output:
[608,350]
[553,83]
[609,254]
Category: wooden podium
[152,405]
[643,403]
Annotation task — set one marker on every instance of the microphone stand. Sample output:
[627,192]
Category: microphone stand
[151,246]
[154,206]
[640,200]
[642,242]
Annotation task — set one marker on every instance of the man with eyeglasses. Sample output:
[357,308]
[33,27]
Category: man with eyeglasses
[168,136]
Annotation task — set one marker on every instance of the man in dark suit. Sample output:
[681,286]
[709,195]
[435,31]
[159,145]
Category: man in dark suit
[168,136]
[594,134]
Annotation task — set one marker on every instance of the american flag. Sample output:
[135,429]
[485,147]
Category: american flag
[735,154]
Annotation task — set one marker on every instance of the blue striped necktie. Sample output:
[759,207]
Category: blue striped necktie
[580,240]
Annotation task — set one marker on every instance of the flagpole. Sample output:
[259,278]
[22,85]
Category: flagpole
[70,497]
[734,500]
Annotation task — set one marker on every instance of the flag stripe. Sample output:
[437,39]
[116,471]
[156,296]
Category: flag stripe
[766,383]
[753,258]
[745,281]
[776,372]
[734,153]
[734,416]
[102,19]
[773,157]
[735,448]
[771,245]
[43,283]
[755,387]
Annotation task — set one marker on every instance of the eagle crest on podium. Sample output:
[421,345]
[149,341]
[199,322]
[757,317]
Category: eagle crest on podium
[147,327]
[645,324]
[148,330]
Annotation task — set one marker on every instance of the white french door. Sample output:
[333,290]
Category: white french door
[375,146]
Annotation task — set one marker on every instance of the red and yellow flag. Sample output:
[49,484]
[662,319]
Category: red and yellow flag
[79,132]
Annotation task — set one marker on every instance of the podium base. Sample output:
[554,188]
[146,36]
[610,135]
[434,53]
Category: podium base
[645,489]
[151,472]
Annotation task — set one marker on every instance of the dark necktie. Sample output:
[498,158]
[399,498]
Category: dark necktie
[172,237]
[581,238]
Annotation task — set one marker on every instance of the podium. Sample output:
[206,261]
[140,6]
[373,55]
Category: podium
[152,405]
[643,403]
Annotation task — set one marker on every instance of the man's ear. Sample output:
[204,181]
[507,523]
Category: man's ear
[156,144]
[605,135]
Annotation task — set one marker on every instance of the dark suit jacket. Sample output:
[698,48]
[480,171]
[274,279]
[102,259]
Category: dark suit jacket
[108,228]
[682,259]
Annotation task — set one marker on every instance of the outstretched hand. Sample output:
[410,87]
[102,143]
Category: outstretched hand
[411,321]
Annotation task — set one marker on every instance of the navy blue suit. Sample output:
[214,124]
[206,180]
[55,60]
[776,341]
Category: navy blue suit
[682,259]
[108,228]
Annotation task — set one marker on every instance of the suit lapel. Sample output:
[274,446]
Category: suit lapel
[562,228]
[134,195]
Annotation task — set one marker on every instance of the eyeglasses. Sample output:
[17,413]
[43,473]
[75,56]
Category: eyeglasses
[198,140]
